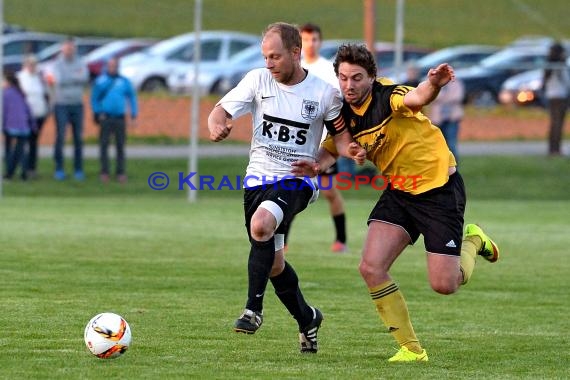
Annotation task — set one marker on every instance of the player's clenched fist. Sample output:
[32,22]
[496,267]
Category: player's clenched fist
[219,132]
[357,153]
[218,124]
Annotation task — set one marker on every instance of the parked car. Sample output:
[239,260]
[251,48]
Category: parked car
[215,77]
[532,40]
[12,28]
[149,69]
[330,47]
[525,88]
[459,56]
[483,81]
[97,58]
[385,52]
[84,45]
[17,45]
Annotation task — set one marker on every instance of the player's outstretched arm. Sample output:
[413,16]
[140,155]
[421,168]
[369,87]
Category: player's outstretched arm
[218,124]
[428,90]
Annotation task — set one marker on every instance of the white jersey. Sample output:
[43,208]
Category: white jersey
[324,69]
[288,121]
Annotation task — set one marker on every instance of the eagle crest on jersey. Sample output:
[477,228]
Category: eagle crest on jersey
[310,109]
[288,121]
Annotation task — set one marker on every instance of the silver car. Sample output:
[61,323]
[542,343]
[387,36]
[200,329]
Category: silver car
[458,56]
[83,46]
[17,45]
[384,52]
[215,77]
[148,70]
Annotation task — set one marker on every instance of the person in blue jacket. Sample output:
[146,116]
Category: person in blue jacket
[111,95]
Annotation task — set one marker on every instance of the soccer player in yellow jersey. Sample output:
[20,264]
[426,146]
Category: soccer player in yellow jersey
[425,194]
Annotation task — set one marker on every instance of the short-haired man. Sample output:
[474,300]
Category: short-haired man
[68,79]
[289,106]
[111,97]
[311,60]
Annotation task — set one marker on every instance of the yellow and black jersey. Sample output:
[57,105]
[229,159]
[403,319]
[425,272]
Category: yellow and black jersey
[407,148]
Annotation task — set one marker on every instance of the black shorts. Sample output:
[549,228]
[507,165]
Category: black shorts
[436,214]
[291,195]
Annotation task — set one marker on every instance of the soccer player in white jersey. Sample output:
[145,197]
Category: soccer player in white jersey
[290,107]
[312,37]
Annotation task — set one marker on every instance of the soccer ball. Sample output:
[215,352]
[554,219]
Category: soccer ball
[107,335]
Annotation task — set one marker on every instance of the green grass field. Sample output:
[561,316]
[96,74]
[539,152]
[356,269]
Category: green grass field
[431,23]
[177,272]
[486,178]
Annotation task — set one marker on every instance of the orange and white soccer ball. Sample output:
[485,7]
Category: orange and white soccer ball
[107,335]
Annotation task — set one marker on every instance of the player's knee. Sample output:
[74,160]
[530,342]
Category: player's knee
[330,194]
[444,287]
[277,268]
[265,220]
[369,272]
[260,230]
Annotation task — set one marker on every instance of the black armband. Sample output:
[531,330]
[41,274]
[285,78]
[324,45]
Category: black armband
[335,126]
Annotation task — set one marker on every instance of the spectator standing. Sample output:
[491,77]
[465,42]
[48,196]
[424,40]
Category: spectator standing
[68,78]
[311,37]
[36,92]
[556,89]
[111,95]
[446,111]
[412,75]
[311,59]
[17,125]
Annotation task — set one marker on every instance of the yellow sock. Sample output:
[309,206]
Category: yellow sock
[469,248]
[393,311]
